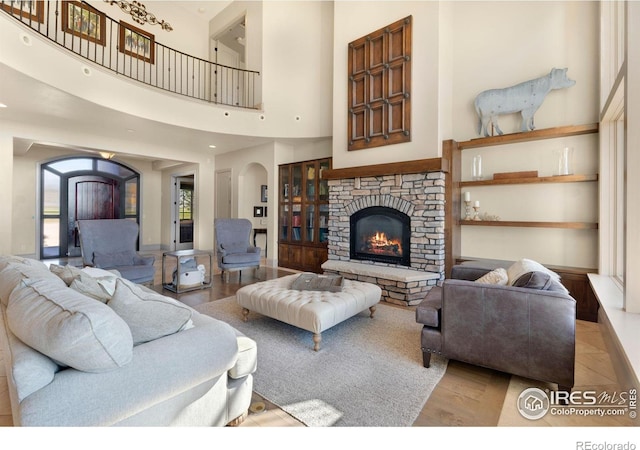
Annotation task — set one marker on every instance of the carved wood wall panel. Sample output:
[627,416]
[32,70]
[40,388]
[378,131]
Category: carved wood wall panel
[380,87]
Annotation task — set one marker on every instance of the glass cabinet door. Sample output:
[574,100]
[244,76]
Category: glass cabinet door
[284,184]
[284,222]
[296,192]
[323,224]
[310,181]
[296,222]
[323,185]
[309,222]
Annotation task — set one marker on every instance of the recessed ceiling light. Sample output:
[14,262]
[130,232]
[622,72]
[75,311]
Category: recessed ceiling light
[131,130]
[2,105]
[212,146]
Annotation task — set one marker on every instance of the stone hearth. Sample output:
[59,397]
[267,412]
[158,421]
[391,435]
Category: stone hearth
[421,197]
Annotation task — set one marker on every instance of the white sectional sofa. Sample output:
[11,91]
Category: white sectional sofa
[85,348]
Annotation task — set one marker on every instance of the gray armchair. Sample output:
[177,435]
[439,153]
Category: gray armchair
[526,329]
[233,251]
[111,244]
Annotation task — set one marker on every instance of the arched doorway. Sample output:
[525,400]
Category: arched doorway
[78,188]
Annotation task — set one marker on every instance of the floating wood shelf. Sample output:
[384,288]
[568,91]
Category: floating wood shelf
[525,136]
[524,224]
[552,179]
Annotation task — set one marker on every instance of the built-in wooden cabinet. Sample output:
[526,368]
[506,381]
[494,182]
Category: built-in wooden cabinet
[303,215]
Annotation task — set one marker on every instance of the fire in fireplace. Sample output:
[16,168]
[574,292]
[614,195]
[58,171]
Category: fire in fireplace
[381,234]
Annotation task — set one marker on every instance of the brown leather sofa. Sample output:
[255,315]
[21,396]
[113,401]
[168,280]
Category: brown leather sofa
[519,330]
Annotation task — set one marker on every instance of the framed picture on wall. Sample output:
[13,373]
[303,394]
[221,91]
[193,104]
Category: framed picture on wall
[32,10]
[263,193]
[83,21]
[258,211]
[136,43]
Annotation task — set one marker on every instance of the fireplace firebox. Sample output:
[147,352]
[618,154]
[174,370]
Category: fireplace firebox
[381,234]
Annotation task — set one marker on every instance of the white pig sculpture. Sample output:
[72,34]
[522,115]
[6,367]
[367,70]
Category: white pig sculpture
[524,98]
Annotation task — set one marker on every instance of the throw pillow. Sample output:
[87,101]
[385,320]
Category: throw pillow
[150,316]
[314,282]
[90,287]
[541,281]
[498,276]
[519,268]
[105,278]
[66,273]
[68,327]
[106,260]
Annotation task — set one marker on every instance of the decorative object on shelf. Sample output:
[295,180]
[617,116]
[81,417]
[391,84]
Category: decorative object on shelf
[136,43]
[258,211]
[263,193]
[564,155]
[477,168]
[139,13]
[489,217]
[467,207]
[476,208]
[83,21]
[524,98]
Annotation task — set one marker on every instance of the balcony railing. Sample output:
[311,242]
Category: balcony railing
[133,52]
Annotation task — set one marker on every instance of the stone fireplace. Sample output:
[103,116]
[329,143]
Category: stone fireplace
[389,230]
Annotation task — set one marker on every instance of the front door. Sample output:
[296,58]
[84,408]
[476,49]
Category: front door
[90,197]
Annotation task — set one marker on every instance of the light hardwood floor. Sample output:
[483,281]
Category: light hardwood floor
[466,396]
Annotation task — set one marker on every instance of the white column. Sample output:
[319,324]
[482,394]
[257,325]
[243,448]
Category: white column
[6,192]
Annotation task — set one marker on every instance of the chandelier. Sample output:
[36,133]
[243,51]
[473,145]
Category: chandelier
[139,13]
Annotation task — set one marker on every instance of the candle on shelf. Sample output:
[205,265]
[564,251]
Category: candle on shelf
[477,204]
[467,196]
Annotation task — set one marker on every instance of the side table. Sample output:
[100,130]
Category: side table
[266,240]
[179,256]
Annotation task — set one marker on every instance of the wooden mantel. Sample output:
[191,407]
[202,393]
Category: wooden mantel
[397,168]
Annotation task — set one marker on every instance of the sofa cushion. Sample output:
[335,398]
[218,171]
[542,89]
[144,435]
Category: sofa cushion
[149,315]
[66,273]
[105,278]
[541,281]
[106,260]
[30,369]
[241,258]
[5,260]
[519,268]
[498,276]
[70,328]
[13,274]
[90,287]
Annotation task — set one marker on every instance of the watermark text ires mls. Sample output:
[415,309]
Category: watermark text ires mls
[535,403]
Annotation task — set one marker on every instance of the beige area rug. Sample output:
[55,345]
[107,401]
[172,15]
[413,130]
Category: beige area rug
[368,372]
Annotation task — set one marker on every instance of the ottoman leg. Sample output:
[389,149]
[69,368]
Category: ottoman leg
[373,311]
[316,341]
[245,314]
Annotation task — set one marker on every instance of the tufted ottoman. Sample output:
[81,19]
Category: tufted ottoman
[313,311]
